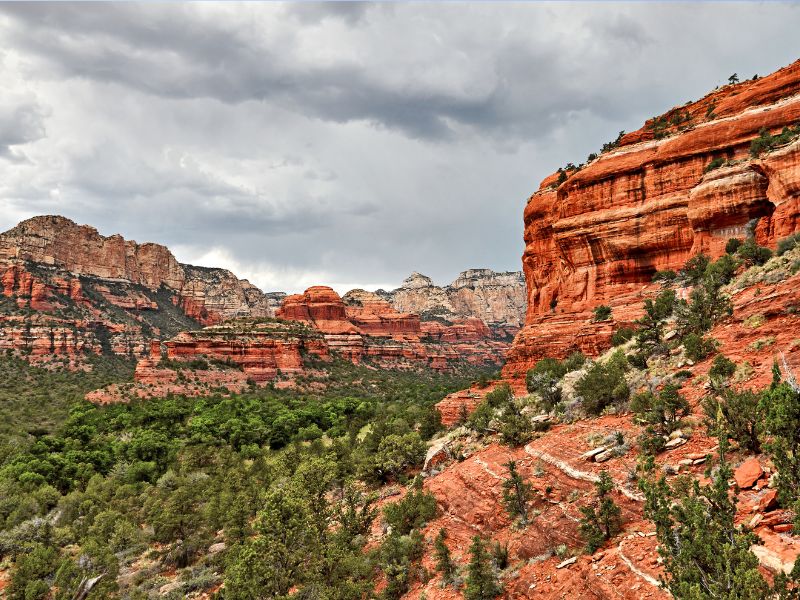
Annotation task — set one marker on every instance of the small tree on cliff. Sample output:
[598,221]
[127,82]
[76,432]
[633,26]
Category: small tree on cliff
[705,554]
[482,582]
[516,493]
[601,521]
[444,562]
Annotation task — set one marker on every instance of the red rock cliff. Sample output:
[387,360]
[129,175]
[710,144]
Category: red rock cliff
[650,204]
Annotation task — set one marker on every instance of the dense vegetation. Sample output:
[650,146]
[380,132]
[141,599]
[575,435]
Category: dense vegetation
[284,478]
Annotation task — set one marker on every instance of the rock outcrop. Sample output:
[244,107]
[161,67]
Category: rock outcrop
[596,235]
[67,288]
[209,295]
[498,299]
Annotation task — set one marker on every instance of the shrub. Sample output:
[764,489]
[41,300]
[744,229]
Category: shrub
[481,581]
[602,520]
[651,324]
[481,417]
[602,313]
[722,270]
[604,384]
[788,243]
[661,411]
[752,253]
[516,494]
[706,555]
[622,335]
[721,369]
[714,164]
[781,409]
[766,141]
[695,268]
[733,245]
[444,562]
[665,276]
[697,346]
[736,415]
[412,512]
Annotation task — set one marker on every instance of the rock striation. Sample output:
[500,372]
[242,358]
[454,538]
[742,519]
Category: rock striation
[498,299]
[90,293]
[598,234]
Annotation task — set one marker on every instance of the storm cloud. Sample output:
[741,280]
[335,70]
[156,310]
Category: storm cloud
[341,143]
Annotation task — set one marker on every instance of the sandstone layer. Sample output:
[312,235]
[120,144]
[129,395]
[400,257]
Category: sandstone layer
[498,299]
[649,205]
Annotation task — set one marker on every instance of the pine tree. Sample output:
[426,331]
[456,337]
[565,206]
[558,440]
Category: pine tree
[516,493]
[705,554]
[482,582]
[444,562]
[602,521]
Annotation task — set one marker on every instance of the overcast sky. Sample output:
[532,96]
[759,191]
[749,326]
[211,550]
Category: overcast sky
[341,144]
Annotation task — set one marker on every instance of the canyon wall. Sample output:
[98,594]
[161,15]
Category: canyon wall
[597,234]
[498,299]
[210,295]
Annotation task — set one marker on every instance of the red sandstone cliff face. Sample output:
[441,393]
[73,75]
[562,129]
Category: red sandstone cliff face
[209,295]
[598,237]
[104,294]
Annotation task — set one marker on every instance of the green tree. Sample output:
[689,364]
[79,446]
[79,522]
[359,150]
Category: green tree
[412,512]
[738,415]
[705,554]
[651,325]
[482,583]
[277,558]
[602,520]
[517,494]
[604,384]
[444,562]
[601,313]
[780,406]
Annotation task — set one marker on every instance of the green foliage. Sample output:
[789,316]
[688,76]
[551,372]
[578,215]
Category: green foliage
[399,556]
[412,512]
[662,410]
[602,313]
[714,164]
[733,79]
[698,347]
[753,254]
[780,406]
[604,384]
[665,276]
[609,146]
[695,268]
[622,335]
[444,562]
[732,245]
[517,494]
[34,400]
[787,244]
[651,325]
[705,554]
[766,142]
[707,304]
[737,415]
[482,583]
[544,378]
[170,473]
[721,369]
[601,520]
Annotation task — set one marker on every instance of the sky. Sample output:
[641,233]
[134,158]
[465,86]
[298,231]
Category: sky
[345,144]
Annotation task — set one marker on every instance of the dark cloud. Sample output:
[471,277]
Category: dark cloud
[21,122]
[340,143]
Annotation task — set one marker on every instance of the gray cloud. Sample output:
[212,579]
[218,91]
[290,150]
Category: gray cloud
[340,143]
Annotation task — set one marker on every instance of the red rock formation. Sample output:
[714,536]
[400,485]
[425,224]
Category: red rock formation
[598,237]
[210,295]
